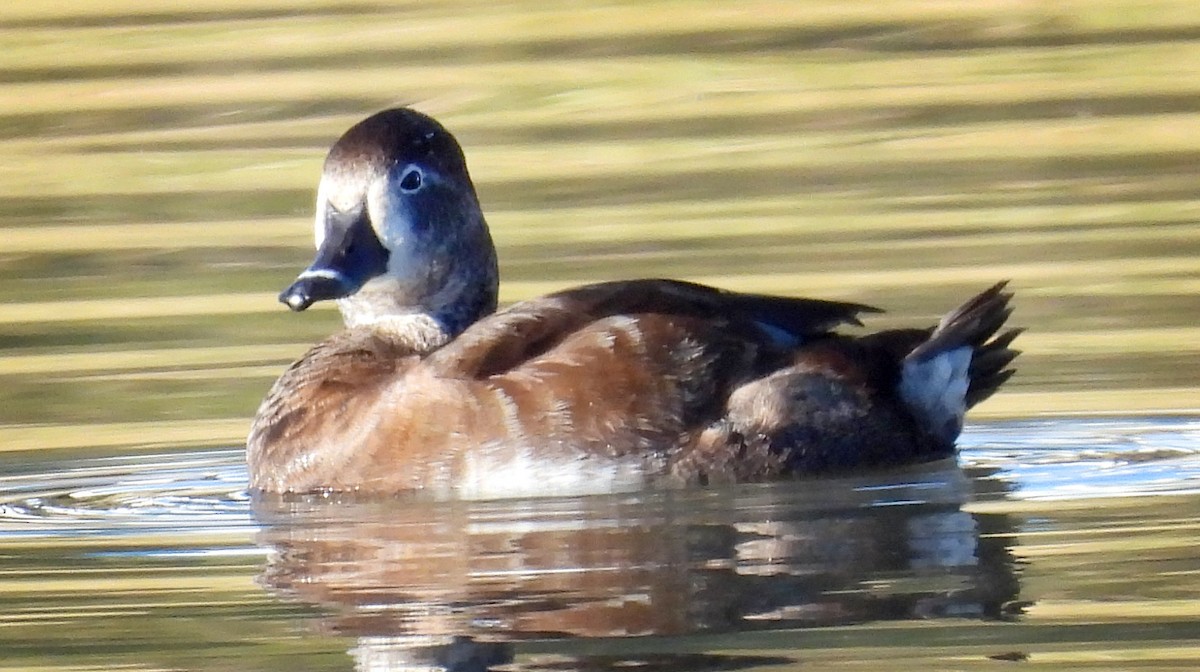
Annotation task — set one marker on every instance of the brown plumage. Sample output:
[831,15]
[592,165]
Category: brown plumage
[605,387]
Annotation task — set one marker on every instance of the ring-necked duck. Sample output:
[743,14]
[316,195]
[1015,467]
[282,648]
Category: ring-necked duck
[600,388]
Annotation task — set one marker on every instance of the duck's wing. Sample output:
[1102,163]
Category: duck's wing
[317,405]
[530,328]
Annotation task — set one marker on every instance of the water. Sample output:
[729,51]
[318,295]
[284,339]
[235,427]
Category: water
[157,171]
[1064,542]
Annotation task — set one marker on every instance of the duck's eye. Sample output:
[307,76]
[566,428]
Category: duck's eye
[411,180]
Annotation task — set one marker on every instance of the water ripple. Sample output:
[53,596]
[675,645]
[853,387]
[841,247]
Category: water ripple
[128,494]
[206,490]
[1089,458]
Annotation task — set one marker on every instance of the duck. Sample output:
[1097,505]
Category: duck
[601,388]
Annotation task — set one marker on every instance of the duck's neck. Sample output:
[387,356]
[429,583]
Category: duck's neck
[428,311]
[417,333]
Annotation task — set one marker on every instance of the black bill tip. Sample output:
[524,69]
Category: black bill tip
[296,298]
[316,285]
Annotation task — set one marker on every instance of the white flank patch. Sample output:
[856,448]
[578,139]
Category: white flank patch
[936,390]
[498,472]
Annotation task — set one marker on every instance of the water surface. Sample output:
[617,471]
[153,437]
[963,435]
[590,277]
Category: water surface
[1057,543]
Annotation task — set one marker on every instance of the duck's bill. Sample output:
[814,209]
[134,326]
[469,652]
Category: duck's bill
[349,256]
[315,285]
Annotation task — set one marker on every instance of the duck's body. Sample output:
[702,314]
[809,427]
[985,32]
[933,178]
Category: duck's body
[600,388]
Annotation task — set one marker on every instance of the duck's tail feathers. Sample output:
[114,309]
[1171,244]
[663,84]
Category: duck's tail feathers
[961,363]
[989,366]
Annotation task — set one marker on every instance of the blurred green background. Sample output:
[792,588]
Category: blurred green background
[158,167]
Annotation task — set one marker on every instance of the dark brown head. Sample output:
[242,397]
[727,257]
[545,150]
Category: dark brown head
[399,230]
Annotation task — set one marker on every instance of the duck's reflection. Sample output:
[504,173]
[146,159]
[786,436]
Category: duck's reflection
[450,583]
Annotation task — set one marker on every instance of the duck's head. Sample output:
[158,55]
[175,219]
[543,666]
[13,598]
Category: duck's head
[399,231]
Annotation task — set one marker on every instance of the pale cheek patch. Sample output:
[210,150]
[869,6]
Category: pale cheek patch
[338,190]
[319,221]
[388,217]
